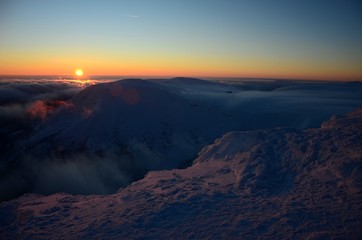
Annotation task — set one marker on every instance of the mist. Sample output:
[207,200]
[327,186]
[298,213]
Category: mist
[43,152]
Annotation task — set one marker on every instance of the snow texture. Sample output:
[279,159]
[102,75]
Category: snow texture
[279,183]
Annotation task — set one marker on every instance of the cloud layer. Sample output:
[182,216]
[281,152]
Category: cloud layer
[26,105]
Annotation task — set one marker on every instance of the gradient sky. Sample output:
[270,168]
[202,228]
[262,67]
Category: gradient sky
[217,38]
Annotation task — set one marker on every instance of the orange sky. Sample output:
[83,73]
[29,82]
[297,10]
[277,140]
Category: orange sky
[186,38]
[177,66]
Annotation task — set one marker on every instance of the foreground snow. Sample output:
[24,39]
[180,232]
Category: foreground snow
[276,184]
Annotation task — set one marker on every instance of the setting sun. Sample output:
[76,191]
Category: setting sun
[79,72]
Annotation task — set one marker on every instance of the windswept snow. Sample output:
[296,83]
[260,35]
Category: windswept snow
[279,183]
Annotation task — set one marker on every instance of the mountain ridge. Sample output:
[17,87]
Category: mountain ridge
[275,183]
[111,134]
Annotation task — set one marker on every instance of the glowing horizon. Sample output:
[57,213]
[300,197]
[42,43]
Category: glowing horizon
[240,39]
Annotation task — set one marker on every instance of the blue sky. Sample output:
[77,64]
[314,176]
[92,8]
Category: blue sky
[216,37]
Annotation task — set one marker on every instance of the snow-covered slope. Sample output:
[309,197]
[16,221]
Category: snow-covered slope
[276,184]
[111,134]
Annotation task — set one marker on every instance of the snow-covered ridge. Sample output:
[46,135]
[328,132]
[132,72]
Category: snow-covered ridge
[111,134]
[276,184]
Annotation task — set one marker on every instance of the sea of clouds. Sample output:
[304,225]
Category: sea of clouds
[26,103]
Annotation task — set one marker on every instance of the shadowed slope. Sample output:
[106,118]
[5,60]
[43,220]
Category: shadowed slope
[278,183]
[111,134]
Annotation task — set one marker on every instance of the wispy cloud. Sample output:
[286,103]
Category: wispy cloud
[131,16]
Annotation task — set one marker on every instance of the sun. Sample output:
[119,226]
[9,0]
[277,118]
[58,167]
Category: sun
[79,72]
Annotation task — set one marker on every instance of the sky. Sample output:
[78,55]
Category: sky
[309,39]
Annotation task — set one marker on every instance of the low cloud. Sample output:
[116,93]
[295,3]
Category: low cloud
[41,109]
[256,105]
[77,174]
[24,103]
[19,98]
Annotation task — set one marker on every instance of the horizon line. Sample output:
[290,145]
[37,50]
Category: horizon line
[177,76]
